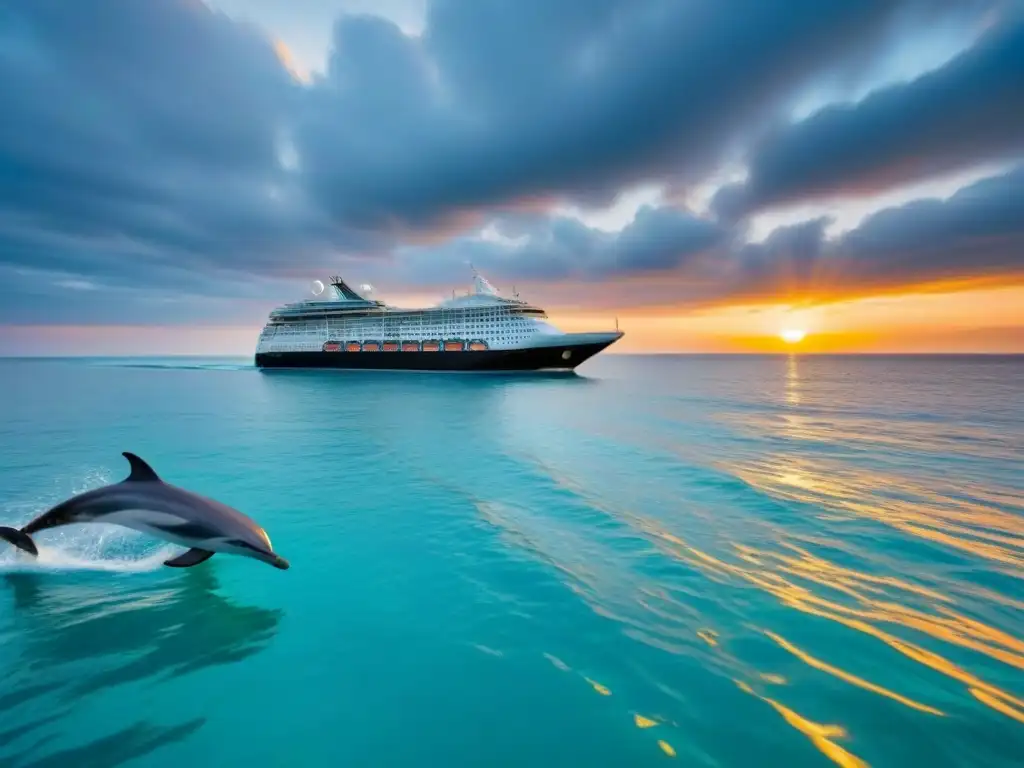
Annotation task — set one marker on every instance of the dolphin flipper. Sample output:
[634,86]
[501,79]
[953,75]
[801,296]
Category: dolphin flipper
[19,539]
[141,471]
[188,559]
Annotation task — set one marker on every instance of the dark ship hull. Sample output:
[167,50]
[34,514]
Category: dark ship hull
[564,357]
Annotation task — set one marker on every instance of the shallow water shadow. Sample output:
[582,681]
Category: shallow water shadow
[71,640]
[179,625]
[16,698]
[116,749]
[11,735]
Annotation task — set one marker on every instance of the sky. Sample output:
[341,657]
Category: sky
[705,174]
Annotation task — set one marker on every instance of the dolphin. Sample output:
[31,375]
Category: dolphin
[144,502]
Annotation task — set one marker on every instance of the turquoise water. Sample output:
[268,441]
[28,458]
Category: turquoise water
[702,561]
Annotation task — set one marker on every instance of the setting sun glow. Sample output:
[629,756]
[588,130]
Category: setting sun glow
[792,335]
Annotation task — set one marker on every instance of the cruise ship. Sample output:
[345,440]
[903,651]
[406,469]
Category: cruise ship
[478,331]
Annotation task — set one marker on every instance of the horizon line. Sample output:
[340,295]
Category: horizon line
[794,353]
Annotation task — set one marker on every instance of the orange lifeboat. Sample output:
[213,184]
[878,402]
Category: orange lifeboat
[431,346]
[410,346]
[454,346]
[477,346]
[371,346]
[390,346]
[353,346]
[331,346]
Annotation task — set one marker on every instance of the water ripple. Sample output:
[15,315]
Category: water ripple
[712,561]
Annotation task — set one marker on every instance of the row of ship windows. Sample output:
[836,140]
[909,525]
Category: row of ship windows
[447,317]
[390,338]
[478,325]
[430,345]
[375,333]
[362,330]
[475,323]
[290,338]
[456,321]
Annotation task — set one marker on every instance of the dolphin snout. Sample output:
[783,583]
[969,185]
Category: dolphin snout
[280,562]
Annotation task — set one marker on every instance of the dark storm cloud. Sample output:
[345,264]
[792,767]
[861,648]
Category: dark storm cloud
[969,111]
[512,100]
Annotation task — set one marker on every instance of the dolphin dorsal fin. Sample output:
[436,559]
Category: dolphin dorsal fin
[141,471]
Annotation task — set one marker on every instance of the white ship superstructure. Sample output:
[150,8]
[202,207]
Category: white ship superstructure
[482,325]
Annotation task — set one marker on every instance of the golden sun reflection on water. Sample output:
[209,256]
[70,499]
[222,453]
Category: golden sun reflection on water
[915,570]
[951,627]
[792,381]
[877,606]
[821,736]
[943,515]
[847,677]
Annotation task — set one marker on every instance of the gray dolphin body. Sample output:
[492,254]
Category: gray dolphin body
[144,502]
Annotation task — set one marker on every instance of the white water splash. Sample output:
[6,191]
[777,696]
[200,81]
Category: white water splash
[86,547]
[55,559]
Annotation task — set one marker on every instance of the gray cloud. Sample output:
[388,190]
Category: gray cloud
[976,233]
[658,239]
[506,100]
[969,111]
[146,136]
[143,146]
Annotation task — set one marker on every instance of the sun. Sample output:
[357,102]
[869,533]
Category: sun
[793,335]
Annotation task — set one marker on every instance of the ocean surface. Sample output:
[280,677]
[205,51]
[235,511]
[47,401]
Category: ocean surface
[690,560]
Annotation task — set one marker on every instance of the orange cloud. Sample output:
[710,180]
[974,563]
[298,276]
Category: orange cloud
[287,59]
